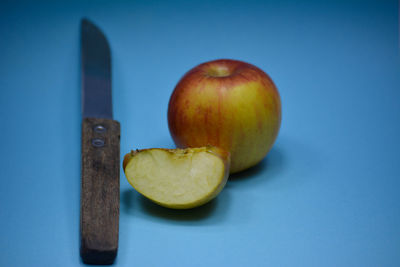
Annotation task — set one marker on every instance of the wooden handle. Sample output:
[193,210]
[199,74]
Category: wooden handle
[100,190]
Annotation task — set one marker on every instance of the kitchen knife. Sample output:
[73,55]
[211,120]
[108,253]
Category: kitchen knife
[100,151]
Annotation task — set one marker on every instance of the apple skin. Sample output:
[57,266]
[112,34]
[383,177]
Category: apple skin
[229,104]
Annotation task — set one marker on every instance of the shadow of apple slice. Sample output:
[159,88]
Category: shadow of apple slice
[178,178]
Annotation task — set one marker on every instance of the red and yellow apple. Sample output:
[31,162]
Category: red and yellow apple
[228,104]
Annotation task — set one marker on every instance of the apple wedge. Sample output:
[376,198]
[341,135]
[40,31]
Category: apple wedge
[178,178]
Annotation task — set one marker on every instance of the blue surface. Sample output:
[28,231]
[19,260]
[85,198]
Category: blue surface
[326,195]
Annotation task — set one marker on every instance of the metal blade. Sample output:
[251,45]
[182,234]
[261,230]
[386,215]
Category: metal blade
[96,72]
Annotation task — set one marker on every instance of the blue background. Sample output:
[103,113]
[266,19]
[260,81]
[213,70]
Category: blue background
[326,195]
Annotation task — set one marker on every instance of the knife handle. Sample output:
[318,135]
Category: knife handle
[99,219]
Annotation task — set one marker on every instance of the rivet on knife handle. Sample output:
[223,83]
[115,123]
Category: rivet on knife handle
[100,191]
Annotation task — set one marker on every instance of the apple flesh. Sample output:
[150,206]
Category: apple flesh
[229,104]
[178,178]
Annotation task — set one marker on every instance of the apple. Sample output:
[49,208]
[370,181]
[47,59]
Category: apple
[228,104]
[178,178]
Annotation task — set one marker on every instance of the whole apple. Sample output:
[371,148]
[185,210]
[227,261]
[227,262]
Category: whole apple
[229,104]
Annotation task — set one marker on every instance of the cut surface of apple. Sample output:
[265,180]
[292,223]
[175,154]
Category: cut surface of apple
[178,178]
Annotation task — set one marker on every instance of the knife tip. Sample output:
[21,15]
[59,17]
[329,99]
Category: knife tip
[88,26]
[85,22]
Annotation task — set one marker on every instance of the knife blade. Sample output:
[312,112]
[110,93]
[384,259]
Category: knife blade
[100,147]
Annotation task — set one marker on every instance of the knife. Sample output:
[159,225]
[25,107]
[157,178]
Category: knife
[99,218]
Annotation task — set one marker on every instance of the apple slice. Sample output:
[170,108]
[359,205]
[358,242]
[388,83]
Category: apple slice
[178,178]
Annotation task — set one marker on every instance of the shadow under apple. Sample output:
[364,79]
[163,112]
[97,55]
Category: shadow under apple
[137,205]
[270,166]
